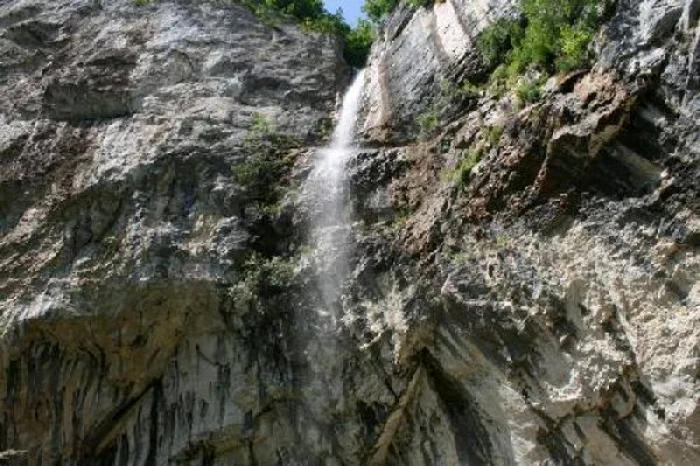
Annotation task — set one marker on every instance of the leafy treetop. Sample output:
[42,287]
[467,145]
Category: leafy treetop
[314,17]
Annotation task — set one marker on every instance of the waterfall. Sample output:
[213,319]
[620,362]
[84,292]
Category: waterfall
[331,221]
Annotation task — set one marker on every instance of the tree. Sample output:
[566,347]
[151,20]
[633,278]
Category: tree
[312,15]
[379,9]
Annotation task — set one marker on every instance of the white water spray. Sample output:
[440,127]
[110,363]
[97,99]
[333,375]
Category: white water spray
[331,221]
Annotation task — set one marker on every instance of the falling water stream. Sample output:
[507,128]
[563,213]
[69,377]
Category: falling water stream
[332,242]
[331,220]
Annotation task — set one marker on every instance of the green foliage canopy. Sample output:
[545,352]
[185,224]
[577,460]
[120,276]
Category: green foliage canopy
[313,16]
[379,9]
[358,42]
[551,35]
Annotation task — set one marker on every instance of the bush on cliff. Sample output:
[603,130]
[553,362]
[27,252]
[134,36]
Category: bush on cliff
[358,42]
[551,35]
[377,10]
[313,16]
[259,174]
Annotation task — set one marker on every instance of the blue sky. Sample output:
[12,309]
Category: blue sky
[351,9]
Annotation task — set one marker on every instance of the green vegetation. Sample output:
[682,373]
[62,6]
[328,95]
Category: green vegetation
[503,241]
[377,10]
[260,173]
[496,41]
[460,258]
[494,134]
[313,16]
[528,90]
[268,275]
[264,282]
[358,41]
[451,93]
[551,36]
[470,90]
[428,122]
[400,219]
[465,167]
[141,2]
[110,245]
[260,126]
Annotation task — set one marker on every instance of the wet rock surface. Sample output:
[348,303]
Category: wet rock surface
[160,302]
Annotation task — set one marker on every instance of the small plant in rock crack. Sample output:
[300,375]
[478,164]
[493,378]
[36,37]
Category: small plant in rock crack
[453,94]
[263,278]
[260,126]
[465,167]
[470,90]
[141,2]
[460,258]
[110,245]
[445,145]
[400,219]
[428,122]
[445,105]
[503,241]
[494,134]
[529,91]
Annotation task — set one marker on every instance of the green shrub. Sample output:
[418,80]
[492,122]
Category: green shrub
[428,122]
[141,2]
[448,97]
[268,275]
[420,3]
[358,42]
[260,126]
[379,9]
[574,45]
[493,134]
[465,167]
[264,281]
[528,91]
[552,35]
[451,93]
[110,245]
[400,219]
[312,16]
[497,40]
[470,90]
[265,164]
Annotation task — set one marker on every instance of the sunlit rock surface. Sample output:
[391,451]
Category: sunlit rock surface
[160,295]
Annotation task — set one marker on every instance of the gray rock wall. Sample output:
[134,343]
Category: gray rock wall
[125,132]
[159,300]
[419,50]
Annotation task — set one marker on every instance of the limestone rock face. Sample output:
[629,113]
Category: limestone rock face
[127,212]
[160,301]
[418,51]
[566,255]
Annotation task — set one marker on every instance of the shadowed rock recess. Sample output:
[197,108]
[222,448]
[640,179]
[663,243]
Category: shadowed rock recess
[159,292]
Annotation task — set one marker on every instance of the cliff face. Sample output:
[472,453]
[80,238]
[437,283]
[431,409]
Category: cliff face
[132,142]
[565,261]
[160,303]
